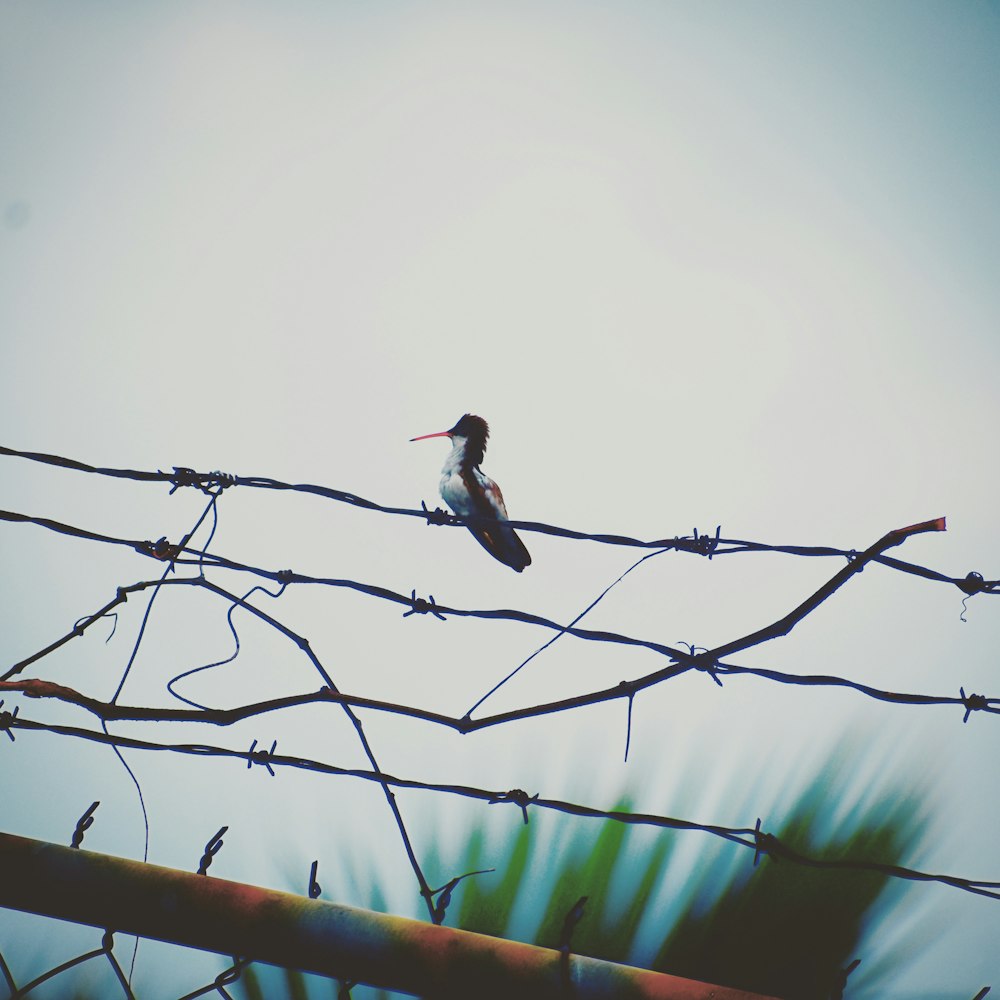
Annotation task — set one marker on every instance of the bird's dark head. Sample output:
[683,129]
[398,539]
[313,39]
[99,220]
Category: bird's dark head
[475,432]
[472,428]
[472,432]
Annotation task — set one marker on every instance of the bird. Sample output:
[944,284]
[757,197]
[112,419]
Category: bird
[470,492]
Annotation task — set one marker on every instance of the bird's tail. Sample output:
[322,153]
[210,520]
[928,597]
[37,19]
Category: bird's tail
[503,544]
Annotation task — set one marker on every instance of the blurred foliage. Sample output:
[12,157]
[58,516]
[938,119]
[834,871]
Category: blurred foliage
[779,928]
[789,930]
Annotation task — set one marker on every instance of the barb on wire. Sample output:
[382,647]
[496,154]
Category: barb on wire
[630,694]
[573,917]
[79,628]
[763,843]
[211,849]
[422,607]
[262,757]
[83,824]
[973,703]
[6,718]
[212,484]
[113,615]
[519,797]
[698,657]
[314,887]
[436,516]
[164,550]
[707,545]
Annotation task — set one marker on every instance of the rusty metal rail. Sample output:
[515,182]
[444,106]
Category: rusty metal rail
[283,929]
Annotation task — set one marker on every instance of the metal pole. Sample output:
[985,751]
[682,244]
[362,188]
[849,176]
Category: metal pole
[279,928]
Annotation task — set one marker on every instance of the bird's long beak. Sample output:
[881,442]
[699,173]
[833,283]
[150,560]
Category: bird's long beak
[438,434]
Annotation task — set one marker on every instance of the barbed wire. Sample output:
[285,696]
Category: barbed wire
[753,838]
[714,662]
[709,545]
[708,661]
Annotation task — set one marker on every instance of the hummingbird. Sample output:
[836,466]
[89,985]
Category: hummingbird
[470,492]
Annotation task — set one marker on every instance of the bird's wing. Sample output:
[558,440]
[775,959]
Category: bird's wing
[499,540]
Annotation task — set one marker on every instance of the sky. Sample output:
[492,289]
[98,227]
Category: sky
[698,264]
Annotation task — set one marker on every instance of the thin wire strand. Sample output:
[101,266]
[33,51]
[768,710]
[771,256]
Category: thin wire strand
[232,656]
[590,607]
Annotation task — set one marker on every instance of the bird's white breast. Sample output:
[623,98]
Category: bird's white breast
[455,490]
[455,494]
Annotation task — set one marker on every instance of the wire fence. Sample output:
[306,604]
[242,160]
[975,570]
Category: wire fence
[102,959]
[190,566]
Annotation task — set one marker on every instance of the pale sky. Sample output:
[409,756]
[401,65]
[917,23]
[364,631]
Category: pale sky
[697,264]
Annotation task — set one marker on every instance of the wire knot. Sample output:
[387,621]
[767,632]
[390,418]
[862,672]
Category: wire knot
[707,544]
[764,843]
[211,849]
[7,720]
[418,606]
[519,797]
[436,516]
[565,947]
[972,584]
[183,476]
[444,893]
[232,974]
[218,482]
[699,661]
[161,549]
[262,757]
[973,703]
[84,823]
[708,666]
[314,887]
[211,485]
